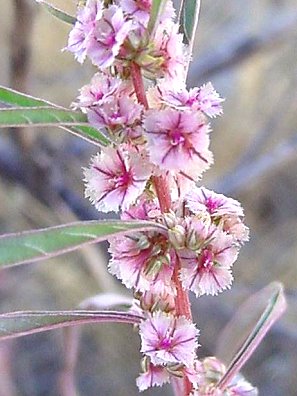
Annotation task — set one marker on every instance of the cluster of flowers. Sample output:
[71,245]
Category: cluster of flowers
[158,130]
[200,242]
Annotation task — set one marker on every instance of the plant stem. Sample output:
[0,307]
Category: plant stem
[182,303]
[162,191]
[138,84]
[181,387]
[183,308]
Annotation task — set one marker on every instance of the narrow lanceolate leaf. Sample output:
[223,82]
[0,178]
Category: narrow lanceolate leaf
[17,324]
[189,14]
[40,116]
[28,246]
[88,133]
[247,329]
[156,8]
[62,15]
[12,98]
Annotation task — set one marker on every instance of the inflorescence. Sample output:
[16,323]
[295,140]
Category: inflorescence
[159,135]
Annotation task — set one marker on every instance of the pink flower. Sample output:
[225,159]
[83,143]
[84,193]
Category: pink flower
[240,387]
[169,47]
[169,94]
[211,370]
[209,271]
[117,113]
[141,261]
[179,183]
[79,36]
[102,89]
[201,200]
[198,232]
[234,226]
[208,100]
[154,299]
[225,212]
[115,178]
[204,99]
[191,373]
[153,376]
[144,209]
[138,9]
[178,140]
[168,339]
[108,36]
[110,103]
[167,14]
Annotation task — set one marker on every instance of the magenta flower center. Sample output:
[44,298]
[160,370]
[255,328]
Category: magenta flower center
[191,101]
[176,137]
[166,343]
[211,205]
[123,180]
[206,259]
[110,40]
[115,115]
[97,95]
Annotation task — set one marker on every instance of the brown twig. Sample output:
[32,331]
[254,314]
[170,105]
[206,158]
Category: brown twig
[20,55]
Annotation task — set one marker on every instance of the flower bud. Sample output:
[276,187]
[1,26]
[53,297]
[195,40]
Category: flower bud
[193,240]
[144,364]
[153,300]
[143,242]
[154,266]
[170,220]
[176,370]
[177,236]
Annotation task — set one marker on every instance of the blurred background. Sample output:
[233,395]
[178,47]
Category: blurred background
[248,49]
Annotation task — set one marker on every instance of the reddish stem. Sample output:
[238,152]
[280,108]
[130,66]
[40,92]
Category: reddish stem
[162,191]
[183,308]
[138,84]
[182,303]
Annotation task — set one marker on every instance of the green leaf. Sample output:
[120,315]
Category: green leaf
[188,19]
[88,133]
[40,116]
[14,98]
[156,8]
[29,246]
[247,328]
[62,15]
[17,324]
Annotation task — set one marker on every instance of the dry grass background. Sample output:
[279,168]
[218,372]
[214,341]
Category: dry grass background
[253,45]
